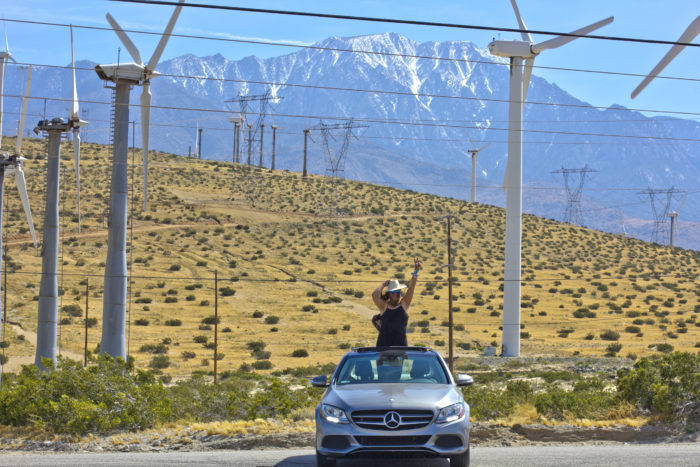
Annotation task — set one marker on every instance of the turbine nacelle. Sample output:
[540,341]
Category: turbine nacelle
[512,49]
[133,72]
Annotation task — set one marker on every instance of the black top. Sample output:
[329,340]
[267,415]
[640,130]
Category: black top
[393,330]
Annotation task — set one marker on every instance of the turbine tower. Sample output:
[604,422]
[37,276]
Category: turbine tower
[673,215]
[124,76]
[475,155]
[8,165]
[5,57]
[48,290]
[519,51]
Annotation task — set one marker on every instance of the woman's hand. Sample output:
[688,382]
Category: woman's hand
[416,264]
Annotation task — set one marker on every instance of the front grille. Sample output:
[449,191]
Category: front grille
[374,419]
[392,440]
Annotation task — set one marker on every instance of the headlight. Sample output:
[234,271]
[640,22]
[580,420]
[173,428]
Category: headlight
[451,413]
[333,414]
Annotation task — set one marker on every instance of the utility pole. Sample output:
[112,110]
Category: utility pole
[306,146]
[236,125]
[274,144]
[661,208]
[262,133]
[216,321]
[250,142]
[200,143]
[449,267]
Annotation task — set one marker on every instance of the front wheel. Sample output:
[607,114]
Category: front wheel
[460,460]
[326,461]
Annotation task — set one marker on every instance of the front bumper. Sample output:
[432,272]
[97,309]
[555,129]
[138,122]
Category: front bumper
[433,440]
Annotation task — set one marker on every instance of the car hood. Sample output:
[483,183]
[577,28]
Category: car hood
[392,396]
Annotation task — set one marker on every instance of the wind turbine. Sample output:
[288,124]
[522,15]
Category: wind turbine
[688,35]
[143,74]
[5,57]
[475,155]
[48,290]
[75,122]
[124,76]
[8,164]
[518,51]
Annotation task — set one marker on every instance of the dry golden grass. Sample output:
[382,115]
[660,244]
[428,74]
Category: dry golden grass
[204,216]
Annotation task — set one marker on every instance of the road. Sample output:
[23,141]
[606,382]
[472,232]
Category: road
[677,455]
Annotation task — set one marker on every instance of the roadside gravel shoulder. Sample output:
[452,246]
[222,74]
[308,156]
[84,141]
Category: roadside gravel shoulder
[482,435]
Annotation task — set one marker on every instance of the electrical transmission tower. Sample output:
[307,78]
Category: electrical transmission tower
[661,208]
[243,104]
[573,213]
[335,159]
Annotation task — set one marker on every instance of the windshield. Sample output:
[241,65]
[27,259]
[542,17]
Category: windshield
[392,367]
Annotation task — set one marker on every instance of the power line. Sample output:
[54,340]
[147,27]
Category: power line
[403,21]
[397,93]
[384,121]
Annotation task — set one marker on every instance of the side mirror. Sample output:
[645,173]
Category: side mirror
[464,380]
[319,381]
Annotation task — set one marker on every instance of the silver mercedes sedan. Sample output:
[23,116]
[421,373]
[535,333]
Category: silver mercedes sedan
[392,401]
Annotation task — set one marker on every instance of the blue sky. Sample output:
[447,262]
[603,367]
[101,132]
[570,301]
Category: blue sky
[650,19]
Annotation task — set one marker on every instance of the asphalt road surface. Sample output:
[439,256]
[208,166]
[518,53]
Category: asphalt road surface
[676,455]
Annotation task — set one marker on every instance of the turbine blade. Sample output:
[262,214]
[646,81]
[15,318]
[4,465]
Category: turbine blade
[74,110]
[76,152]
[688,35]
[23,118]
[133,51]
[145,124]
[470,140]
[526,35]
[527,73]
[561,40]
[164,39]
[22,188]
[484,147]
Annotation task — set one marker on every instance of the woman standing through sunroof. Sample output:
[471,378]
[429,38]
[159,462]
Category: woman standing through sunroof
[393,308]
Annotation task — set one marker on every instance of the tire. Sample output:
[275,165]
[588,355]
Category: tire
[324,461]
[461,460]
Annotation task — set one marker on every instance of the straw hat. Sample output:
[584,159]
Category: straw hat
[395,285]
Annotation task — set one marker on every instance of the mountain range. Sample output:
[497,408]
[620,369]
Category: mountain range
[413,115]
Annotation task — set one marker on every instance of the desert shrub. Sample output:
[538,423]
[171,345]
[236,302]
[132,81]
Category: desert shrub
[109,395]
[154,348]
[200,339]
[612,349]
[73,310]
[170,299]
[587,399]
[211,320]
[256,345]
[271,319]
[227,291]
[668,386]
[143,300]
[159,362]
[262,364]
[257,314]
[300,353]
[187,354]
[173,322]
[140,322]
[488,403]
[91,322]
[610,335]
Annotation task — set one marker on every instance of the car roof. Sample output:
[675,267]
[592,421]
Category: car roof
[360,350]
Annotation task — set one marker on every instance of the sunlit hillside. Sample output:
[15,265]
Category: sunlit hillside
[297,260]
